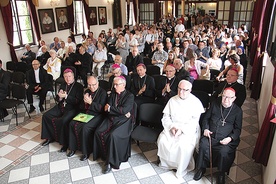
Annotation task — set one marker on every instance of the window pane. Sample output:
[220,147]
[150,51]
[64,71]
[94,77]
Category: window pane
[243,6]
[226,15]
[16,39]
[237,6]
[220,15]
[221,5]
[227,5]
[25,22]
[236,15]
[22,8]
[27,36]
[242,18]
[250,6]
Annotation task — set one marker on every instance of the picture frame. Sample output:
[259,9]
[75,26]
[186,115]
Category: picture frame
[102,15]
[47,21]
[93,16]
[61,18]
[116,11]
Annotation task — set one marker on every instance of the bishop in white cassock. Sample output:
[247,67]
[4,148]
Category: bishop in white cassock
[177,142]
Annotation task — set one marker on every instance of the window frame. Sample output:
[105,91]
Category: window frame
[16,23]
[75,17]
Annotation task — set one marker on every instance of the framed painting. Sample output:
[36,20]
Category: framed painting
[46,19]
[102,15]
[61,18]
[93,20]
[116,11]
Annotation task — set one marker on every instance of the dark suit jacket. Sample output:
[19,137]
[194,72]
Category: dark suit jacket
[43,78]
[70,60]
[43,58]
[4,83]
[183,74]
[30,57]
[131,62]
[86,61]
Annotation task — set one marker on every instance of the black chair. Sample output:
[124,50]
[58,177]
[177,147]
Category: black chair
[147,61]
[214,73]
[11,66]
[153,70]
[18,97]
[157,78]
[18,77]
[150,126]
[104,84]
[203,97]
[204,85]
[22,67]
[61,80]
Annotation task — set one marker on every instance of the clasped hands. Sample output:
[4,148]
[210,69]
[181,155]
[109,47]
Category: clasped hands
[225,141]
[107,106]
[37,88]
[167,88]
[142,90]
[87,98]
[176,132]
[62,94]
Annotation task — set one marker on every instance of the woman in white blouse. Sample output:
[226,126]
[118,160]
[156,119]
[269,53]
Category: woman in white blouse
[215,62]
[53,65]
[122,46]
[193,66]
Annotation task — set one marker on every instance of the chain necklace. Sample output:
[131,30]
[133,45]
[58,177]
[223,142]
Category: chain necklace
[224,118]
[64,102]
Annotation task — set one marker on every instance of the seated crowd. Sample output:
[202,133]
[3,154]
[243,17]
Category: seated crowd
[179,57]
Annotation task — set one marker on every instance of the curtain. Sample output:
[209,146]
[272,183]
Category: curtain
[70,16]
[35,20]
[86,11]
[135,10]
[264,142]
[7,18]
[261,28]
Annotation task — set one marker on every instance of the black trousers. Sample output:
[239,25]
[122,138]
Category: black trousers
[41,93]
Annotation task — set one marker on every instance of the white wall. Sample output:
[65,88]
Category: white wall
[5,49]
[265,96]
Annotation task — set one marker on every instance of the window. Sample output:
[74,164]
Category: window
[147,13]
[22,24]
[243,13]
[79,24]
[223,12]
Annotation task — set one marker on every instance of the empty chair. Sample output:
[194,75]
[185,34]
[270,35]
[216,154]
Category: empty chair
[214,74]
[203,97]
[18,97]
[150,125]
[18,78]
[153,70]
[204,85]
[22,67]
[157,78]
[147,61]
[51,88]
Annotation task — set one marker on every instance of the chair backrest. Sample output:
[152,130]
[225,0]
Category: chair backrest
[104,84]
[203,97]
[18,77]
[21,67]
[18,91]
[151,113]
[147,61]
[157,78]
[11,66]
[203,85]
[214,74]
[153,70]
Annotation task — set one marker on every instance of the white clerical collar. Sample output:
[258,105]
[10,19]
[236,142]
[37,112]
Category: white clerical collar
[142,76]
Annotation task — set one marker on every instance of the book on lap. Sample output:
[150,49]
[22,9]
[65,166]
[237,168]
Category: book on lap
[84,118]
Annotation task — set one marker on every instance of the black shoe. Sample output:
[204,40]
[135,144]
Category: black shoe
[221,178]
[46,142]
[41,108]
[84,157]
[63,149]
[198,175]
[107,169]
[71,153]
[32,108]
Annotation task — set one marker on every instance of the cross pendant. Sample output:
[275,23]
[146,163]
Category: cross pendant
[64,103]
[223,122]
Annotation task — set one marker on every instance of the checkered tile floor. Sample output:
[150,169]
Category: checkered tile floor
[24,160]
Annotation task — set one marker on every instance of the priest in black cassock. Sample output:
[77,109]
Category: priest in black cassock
[167,87]
[112,137]
[133,59]
[181,73]
[143,86]
[231,81]
[55,122]
[222,123]
[116,72]
[81,135]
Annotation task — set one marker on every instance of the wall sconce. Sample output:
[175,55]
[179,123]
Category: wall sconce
[110,1]
[54,2]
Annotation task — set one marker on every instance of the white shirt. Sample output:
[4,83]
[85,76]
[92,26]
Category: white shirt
[36,72]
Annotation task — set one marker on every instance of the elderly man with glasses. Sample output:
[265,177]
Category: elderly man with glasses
[177,142]
[221,129]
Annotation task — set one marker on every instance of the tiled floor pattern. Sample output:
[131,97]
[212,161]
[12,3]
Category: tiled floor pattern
[23,160]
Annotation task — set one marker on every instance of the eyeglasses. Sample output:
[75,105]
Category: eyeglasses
[169,70]
[117,84]
[91,85]
[184,90]
[35,64]
[229,75]
[228,97]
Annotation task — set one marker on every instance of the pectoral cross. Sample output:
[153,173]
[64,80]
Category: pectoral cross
[223,122]
[64,103]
